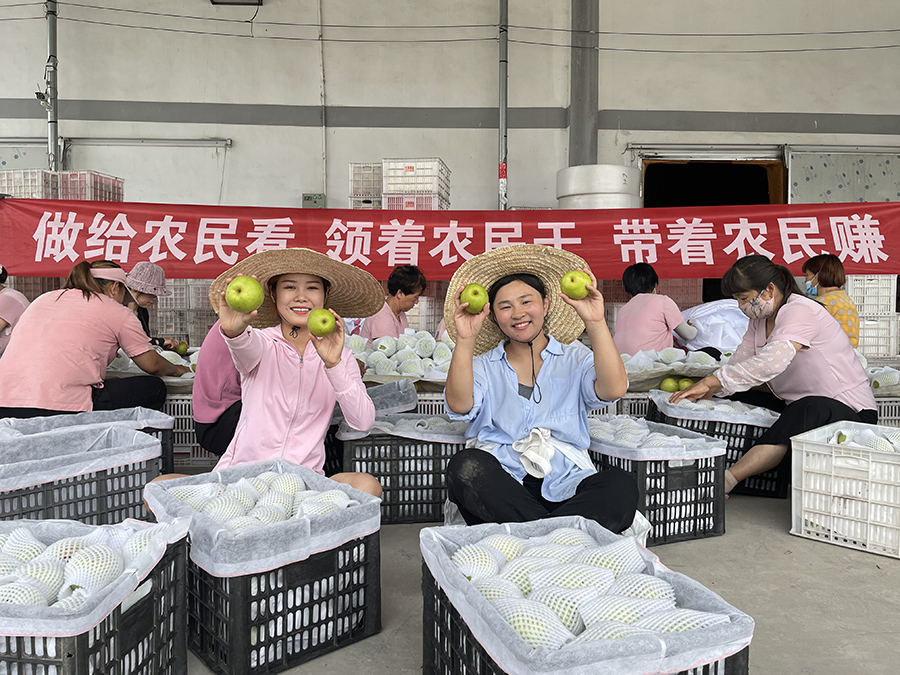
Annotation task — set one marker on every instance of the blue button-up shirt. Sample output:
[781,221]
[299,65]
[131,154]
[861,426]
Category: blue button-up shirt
[499,415]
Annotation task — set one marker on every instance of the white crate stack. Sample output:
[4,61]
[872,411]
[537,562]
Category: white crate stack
[186,314]
[875,297]
[29,184]
[421,184]
[71,185]
[365,186]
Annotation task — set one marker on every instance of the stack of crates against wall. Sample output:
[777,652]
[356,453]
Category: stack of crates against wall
[888,411]
[179,297]
[91,186]
[29,184]
[430,403]
[875,297]
[739,438]
[145,638]
[32,287]
[846,495]
[412,474]
[188,456]
[450,647]
[365,186]
[421,184]
[265,623]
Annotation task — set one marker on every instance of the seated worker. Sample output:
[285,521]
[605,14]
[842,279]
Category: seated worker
[216,394]
[405,284]
[12,304]
[824,278]
[795,347]
[57,356]
[525,388]
[648,319]
[147,281]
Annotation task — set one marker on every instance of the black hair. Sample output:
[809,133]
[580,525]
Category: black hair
[755,273]
[407,278]
[525,278]
[639,278]
[3,274]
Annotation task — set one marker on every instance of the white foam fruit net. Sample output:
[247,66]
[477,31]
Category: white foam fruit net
[495,587]
[256,501]
[519,570]
[26,592]
[623,557]
[642,586]
[680,620]
[476,561]
[622,609]
[573,575]
[535,623]
[92,568]
[21,545]
[565,603]
[63,549]
[510,546]
[609,630]
[570,536]
[50,574]
[559,552]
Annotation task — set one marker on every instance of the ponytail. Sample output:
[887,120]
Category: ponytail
[80,278]
[4,275]
[755,273]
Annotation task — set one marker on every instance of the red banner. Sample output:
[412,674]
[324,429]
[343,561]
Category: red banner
[46,238]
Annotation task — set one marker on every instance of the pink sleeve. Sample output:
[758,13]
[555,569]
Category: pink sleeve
[131,336]
[10,309]
[358,409]
[378,325]
[742,375]
[796,322]
[671,313]
[246,350]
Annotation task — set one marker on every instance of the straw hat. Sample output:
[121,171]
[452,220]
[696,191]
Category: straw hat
[353,293]
[545,262]
[147,277]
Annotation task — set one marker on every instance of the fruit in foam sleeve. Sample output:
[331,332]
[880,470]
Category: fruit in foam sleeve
[669,384]
[320,322]
[476,296]
[244,294]
[574,284]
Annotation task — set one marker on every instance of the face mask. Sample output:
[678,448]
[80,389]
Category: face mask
[759,308]
[812,290]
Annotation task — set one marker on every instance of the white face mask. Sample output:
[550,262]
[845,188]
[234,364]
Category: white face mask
[758,308]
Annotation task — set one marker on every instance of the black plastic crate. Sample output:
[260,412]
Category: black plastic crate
[148,638]
[102,497]
[739,438]
[683,499]
[166,446]
[412,474]
[449,648]
[272,621]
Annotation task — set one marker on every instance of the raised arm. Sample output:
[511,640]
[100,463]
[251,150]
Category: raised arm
[460,378]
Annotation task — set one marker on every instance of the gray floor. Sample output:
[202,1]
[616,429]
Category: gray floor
[819,609]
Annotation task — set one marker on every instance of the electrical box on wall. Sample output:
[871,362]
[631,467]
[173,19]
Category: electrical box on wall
[313,201]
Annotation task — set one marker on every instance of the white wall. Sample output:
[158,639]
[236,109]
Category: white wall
[275,162]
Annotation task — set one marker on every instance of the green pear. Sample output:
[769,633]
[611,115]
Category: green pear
[320,322]
[574,284]
[244,294]
[669,384]
[684,383]
[182,348]
[477,297]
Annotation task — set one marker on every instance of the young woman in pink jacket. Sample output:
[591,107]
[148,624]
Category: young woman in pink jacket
[291,379]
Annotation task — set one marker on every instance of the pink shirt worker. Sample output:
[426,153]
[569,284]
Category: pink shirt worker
[405,284]
[12,305]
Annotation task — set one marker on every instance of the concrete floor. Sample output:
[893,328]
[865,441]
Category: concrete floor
[819,609]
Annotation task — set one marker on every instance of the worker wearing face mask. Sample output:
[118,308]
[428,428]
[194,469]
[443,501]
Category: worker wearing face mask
[824,278]
[795,347]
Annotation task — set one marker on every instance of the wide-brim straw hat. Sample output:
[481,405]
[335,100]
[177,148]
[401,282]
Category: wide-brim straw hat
[353,292]
[545,262]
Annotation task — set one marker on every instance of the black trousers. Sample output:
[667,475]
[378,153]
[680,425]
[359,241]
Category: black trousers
[485,493]
[214,437]
[812,412]
[146,391]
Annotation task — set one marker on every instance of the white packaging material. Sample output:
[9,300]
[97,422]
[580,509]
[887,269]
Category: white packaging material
[54,622]
[719,324]
[65,452]
[389,399]
[720,410]
[684,444]
[224,553]
[127,418]
[435,428]
[623,656]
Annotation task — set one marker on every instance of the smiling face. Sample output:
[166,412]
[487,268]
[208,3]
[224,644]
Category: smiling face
[296,295]
[519,311]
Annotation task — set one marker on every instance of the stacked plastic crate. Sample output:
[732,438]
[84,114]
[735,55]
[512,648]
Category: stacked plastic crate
[365,186]
[91,186]
[186,314]
[415,184]
[29,184]
[875,297]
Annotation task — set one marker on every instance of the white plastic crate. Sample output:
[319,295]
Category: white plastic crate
[634,404]
[189,456]
[426,174]
[845,495]
[365,203]
[415,202]
[179,297]
[365,181]
[91,186]
[172,322]
[888,411]
[30,183]
[198,294]
[430,403]
[878,335]
[199,324]
[873,294]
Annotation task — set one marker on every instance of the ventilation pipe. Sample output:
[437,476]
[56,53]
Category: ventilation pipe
[50,98]
[502,199]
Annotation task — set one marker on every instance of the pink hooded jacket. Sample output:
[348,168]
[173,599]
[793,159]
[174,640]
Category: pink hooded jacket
[288,400]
